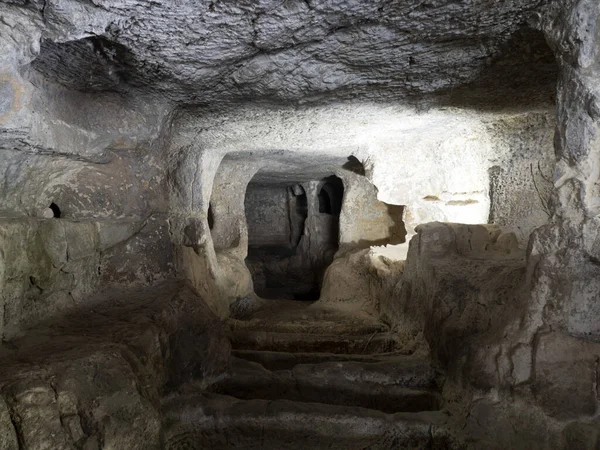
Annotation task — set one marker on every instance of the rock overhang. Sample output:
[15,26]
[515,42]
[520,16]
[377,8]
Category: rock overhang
[216,53]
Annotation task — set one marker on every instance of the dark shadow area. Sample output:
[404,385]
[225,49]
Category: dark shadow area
[398,229]
[298,214]
[330,196]
[327,223]
[522,73]
[324,202]
[210,217]
[293,233]
[117,318]
[89,64]
[55,210]
[354,165]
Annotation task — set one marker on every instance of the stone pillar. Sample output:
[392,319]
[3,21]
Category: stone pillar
[191,179]
[557,343]
[565,255]
[229,191]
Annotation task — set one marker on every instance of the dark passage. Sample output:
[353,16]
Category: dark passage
[293,233]
[331,193]
[55,210]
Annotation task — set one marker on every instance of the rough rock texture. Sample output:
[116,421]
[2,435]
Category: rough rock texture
[464,291]
[283,50]
[268,216]
[363,279]
[521,181]
[569,242]
[470,290]
[461,285]
[109,113]
[48,267]
[463,147]
[93,378]
[460,146]
[130,131]
[365,221]
[286,389]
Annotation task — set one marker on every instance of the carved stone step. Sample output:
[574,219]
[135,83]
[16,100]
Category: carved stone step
[211,421]
[284,360]
[306,343]
[380,386]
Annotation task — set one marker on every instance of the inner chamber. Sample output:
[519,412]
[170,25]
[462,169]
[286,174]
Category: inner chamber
[293,235]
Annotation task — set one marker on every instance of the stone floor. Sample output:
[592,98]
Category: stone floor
[312,376]
[152,369]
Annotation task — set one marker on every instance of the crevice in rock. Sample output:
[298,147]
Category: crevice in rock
[55,210]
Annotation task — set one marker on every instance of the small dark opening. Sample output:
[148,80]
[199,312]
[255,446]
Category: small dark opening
[301,204]
[55,210]
[324,202]
[298,219]
[211,217]
[331,195]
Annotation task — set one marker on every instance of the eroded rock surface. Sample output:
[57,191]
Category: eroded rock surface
[92,378]
[148,148]
[206,51]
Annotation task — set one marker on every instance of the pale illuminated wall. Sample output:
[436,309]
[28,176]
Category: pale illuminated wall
[436,163]
[439,171]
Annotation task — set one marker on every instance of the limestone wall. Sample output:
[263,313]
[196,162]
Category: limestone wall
[463,285]
[447,165]
[109,227]
[475,296]
[52,266]
[521,180]
[366,221]
[212,259]
[267,216]
[175,167]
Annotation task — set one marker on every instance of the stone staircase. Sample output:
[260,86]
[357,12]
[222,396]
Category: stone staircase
[302,390]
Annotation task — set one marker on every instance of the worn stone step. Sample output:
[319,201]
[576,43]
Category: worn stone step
[404,371]
[287,316]
[210,421]
[273,360]
[316,343]
[381,386]
[335,325]
[398,370]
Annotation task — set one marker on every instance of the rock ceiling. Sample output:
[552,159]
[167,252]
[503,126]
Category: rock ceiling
[218,52]
[91,81]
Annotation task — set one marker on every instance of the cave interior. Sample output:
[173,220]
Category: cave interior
[296,224]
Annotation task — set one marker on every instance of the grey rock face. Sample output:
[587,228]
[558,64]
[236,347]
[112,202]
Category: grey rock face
[215,51]
[51,266]
[94,381]
[462,285]
[130,130]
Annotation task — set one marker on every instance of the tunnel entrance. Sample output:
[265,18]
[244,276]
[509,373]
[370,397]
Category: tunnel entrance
[293,234]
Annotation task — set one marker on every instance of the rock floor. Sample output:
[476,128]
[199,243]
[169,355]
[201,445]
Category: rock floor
[93,378]
[149,370]
[312,376]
